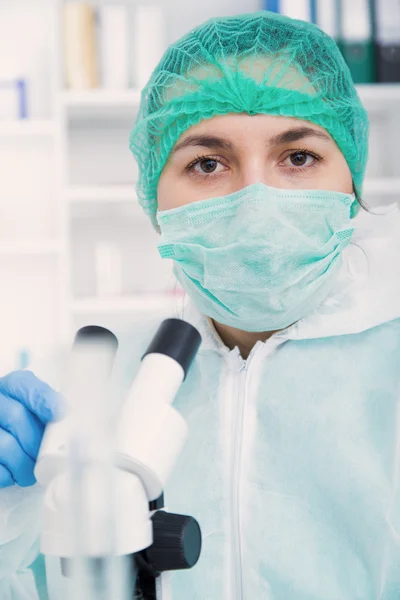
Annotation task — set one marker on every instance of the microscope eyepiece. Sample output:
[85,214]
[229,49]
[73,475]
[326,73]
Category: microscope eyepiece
[177,339]
[95,333]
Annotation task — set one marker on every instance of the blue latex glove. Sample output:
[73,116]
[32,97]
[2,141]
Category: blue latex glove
[26,406]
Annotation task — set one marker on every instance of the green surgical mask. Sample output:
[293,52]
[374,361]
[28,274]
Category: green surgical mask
[259,259]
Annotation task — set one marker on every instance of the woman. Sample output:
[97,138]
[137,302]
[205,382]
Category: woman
[252,146]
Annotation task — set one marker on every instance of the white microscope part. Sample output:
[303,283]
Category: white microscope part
[85,393]
[133,528]
[101,479]
[151,433]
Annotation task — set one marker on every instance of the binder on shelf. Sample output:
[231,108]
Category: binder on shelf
[327,17]
[387,31]
[80,46]
[357,40]
[149,41]
[305,10]
[22,99]
[13,99]
[113,46]
[272,5]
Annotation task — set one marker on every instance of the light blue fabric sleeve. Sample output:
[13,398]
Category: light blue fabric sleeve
[20,510]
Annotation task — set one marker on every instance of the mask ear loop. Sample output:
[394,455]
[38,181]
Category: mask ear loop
[352,276]
[355,269]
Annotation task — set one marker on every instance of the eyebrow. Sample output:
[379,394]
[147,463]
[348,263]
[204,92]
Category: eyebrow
[290,135]
[297,133]
[207,141]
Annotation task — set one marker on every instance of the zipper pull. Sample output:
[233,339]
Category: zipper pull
[238,363]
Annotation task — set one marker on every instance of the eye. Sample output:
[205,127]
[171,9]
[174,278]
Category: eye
[301,159]
[206,166]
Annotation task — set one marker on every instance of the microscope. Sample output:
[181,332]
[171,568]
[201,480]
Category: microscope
[104,474]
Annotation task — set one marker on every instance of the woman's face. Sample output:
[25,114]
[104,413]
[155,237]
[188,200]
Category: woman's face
[224,154]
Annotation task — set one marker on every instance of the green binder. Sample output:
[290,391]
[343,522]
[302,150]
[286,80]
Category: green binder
[357,42]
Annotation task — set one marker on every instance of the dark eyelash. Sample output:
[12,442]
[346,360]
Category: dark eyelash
[316,156]
[199,158]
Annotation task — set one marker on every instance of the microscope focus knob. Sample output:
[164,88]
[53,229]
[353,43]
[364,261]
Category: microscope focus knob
[177,542]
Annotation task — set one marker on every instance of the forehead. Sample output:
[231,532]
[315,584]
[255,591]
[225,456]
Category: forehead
[248,127]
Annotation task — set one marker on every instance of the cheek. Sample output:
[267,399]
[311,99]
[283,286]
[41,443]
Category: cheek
[176,190]
[168,191]
[339,177]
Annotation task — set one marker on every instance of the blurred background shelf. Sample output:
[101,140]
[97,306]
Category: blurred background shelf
[140,303]
[30,249]
[380,96]
[106,202]
[383,186]
[102,193]
[27,127]
[97,103]
[102,98]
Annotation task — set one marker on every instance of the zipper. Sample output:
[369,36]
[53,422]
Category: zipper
[236,474]
[236,551]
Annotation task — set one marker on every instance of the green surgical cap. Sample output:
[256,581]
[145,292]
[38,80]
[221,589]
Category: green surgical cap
[260,63]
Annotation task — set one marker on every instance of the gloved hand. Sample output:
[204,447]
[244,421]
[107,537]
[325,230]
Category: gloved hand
[26,406]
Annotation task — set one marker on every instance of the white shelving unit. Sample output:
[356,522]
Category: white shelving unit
[103,193]
[383,187]
[100,203]
[32,246]
[139,304]
[27,127]
[109,99]
[379,97]
[34,249]
[70,176]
